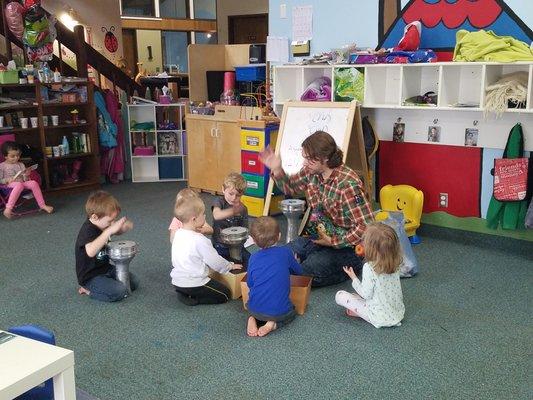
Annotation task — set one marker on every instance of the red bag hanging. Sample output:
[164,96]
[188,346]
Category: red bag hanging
[510,179]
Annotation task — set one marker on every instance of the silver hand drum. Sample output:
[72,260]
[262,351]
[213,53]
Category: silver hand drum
[293,210]
[234,238]
[122,252]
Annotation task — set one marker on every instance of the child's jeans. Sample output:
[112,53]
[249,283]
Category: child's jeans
[18,187]
[325,264]
[107,288]
[223,251]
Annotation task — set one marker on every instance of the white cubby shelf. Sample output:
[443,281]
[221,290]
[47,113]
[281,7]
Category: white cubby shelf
[459,85]
[166,140]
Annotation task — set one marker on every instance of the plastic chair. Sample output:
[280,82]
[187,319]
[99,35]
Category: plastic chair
[403,198]
[35,332]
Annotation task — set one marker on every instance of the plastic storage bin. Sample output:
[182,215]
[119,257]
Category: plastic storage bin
[170,168]
[11,76]
[253,72]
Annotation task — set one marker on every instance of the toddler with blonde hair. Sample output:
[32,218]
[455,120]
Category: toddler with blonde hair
[176,224]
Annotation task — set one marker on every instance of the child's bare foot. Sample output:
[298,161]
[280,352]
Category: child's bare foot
[48,209]
[251,327]
[82,290]
[350,313]
[267,328]
[8,213]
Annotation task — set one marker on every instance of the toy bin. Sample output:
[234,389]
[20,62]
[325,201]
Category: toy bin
[170,168]
[257,185]
[11,76]
[299,294]
[252,72]
[257,140]
[231,280]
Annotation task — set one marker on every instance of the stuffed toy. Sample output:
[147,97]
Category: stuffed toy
[318,90]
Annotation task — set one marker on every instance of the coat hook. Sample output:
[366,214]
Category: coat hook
[435,121]
[475,122]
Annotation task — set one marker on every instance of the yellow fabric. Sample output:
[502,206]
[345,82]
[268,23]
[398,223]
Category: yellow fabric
[487,46]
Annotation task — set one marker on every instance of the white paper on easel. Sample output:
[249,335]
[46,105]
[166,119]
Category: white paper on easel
[277,49]
[302,23]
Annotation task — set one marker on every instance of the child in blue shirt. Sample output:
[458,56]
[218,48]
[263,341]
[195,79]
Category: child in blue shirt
[268,278]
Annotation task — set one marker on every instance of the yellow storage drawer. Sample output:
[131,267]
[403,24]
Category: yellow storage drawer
[257,140]
[255,205]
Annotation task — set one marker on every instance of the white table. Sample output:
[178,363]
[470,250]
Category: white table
[26,363]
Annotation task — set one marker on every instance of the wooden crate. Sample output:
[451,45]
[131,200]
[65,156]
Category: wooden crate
[299,294]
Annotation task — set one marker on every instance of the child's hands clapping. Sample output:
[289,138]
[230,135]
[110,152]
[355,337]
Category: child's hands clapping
[127,226]
[350,273]
[238,208]
[117,226]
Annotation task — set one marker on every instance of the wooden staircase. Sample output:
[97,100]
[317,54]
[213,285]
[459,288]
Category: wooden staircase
[85,55]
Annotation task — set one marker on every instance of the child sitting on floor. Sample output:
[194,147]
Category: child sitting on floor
[96,276]
[16,176]
[228,211]
[379,297]
[176,224]
[192,254]
[269,280]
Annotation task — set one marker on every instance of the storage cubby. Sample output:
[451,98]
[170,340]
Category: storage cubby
[310,74]
[461,86]
[382,86]
[157,140]
[418,80]
[493,73]
[288,84]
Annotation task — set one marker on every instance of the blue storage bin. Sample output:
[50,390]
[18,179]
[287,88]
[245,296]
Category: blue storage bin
[252,72]
[170,168]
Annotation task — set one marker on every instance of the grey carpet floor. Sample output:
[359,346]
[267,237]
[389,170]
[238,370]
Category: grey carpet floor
[467,332]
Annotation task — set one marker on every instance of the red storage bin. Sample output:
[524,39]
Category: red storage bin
[250,163]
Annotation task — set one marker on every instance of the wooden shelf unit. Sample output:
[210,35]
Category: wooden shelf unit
[42,136]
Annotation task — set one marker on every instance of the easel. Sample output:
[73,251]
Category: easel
[352,141]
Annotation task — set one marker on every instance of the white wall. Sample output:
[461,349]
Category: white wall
[226,8]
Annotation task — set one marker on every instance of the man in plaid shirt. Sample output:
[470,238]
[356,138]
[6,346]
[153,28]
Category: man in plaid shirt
[335,191]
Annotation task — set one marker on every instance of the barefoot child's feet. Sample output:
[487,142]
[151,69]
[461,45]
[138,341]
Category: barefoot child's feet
[82,290]
[266,328]
[251,327]
[350,313]
[48,209]
[8,213]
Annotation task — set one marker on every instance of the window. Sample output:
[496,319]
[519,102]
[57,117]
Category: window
[175,50]
[173,9]
[138,8]
[205,9]
[205,38]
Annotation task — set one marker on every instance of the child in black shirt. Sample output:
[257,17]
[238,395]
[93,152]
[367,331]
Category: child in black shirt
[96,276]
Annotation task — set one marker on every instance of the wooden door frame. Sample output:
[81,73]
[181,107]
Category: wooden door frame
[135,54]
[231,32]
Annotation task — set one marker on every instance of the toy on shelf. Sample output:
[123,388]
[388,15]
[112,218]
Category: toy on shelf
[403,198]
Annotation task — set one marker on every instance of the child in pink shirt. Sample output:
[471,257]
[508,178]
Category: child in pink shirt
[176,224]
[8,176]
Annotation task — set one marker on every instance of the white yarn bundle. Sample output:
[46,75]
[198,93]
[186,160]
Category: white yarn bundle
[511,87]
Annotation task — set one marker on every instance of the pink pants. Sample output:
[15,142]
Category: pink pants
[18,187]
[353,302]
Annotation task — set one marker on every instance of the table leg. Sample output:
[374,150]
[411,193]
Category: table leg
[64,385]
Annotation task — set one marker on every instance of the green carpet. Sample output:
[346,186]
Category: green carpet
[467,333]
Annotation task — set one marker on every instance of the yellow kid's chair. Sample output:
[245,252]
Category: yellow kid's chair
[403,198]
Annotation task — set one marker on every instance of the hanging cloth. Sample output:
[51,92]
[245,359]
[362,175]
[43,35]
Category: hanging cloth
[509,214]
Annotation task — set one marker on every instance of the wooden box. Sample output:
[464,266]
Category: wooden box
[231,280]
[299,294]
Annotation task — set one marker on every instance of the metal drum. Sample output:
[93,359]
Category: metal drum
[293,209]
[234,237]
[121,252]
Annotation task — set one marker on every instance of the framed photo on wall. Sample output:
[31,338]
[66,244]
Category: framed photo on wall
[471,135]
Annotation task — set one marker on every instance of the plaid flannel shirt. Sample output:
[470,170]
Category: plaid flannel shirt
[341,196]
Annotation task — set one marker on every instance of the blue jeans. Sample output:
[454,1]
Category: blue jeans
[223,251]
[107,288]
[325,264]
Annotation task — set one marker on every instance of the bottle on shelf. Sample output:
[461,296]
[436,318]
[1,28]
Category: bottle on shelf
[65,145]
[57,76]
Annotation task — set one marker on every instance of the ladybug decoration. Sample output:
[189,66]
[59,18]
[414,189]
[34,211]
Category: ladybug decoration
[110,40]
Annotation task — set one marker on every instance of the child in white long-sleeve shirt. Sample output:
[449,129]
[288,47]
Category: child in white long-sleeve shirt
[192,254]
[379,297]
